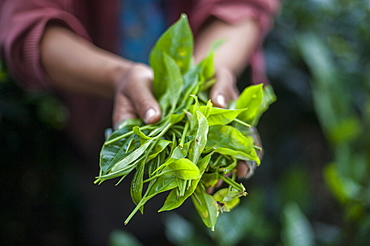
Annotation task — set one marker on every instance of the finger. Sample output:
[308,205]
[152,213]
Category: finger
[139,91]
[245,169]
[257,142]
[224,90]
[144,102]
[219,183]
[210,190]
[242,169]
[122,110]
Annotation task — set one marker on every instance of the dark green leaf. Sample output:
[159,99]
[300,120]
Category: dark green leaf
[137,183]
[112,153]
[162,184]
[130,158]
[124,171]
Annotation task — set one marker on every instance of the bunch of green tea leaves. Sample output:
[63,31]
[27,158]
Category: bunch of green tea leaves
[194,144]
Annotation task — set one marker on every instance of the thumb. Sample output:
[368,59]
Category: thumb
[145,108]
[224,90]
[134,98]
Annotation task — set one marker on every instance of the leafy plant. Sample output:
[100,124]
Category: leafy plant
[194,144]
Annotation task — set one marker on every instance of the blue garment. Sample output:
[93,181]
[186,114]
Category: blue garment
[141,22]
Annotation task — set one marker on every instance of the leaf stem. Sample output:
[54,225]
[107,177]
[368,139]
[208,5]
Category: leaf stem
[164,130]
[232,183]
[126,135]
[184,134]
[138,206]
[242,123]
[119,138]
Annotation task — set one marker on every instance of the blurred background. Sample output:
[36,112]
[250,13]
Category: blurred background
[312,188]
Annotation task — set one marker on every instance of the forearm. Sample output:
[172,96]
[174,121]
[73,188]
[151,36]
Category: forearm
[74,64]
[240,40]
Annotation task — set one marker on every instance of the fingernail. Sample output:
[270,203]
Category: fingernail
[220,99]
[149,115]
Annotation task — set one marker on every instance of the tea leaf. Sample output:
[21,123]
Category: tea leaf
[173,201]
[174,83]
[112,153]
[136,190]
[250,99]
[177,42]
[219,116]
[182,169]
[200,140]
[185,155]
[206,206]
[229,141]
[130,158]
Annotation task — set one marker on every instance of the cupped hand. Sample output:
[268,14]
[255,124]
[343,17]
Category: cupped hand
[134,98]
[223,91]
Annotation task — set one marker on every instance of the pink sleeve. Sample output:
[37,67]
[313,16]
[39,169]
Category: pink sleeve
[232,11]
[22,23]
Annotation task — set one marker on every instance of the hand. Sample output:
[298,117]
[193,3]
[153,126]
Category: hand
[222,92]
[134,97]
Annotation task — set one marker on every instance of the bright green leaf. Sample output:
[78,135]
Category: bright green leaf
[182,169]
[229,141]
[250,99]
[206,207]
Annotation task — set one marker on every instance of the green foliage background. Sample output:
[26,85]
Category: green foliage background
[313,186]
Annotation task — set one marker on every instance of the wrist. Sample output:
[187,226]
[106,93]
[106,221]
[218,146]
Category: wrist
[117,72]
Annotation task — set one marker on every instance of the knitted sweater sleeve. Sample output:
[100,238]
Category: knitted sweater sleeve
[22,24]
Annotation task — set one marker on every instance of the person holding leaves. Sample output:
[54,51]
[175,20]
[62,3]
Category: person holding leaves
[91,53]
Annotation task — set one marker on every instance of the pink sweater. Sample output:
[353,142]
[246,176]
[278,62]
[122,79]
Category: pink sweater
[22,23]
